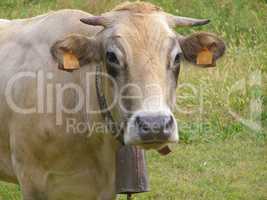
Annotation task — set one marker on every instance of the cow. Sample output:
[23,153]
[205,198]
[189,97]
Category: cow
[69,69]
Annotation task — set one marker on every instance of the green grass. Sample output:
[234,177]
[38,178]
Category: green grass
[218,157]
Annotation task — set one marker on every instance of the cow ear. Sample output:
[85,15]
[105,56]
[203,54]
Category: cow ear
[202,49]
[75,51]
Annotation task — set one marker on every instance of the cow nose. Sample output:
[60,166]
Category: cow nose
[155,128]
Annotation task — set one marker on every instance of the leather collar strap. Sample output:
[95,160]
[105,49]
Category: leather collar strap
[106,114]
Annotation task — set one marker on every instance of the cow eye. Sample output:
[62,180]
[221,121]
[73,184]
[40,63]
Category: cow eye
[177,59]
[112,58]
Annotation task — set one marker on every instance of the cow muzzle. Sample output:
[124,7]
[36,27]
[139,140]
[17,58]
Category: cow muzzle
[151,130]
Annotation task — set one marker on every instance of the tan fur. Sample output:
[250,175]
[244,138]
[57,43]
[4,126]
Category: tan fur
[149,58]
[138,7]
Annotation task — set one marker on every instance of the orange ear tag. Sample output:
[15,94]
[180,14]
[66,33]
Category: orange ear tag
[70,61]
[205,57]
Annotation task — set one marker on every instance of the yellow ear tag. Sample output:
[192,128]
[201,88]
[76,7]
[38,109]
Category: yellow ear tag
[205,57]
[70,61]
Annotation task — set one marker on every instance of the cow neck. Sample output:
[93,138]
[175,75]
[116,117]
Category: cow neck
[103,105]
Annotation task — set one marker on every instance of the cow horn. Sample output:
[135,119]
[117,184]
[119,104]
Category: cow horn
[95,21]
[186,21]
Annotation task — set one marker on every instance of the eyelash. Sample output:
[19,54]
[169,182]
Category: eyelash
[113,64]
[174,64]
[177,59]
[112,58]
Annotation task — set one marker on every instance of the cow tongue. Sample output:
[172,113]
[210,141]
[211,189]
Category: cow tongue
[165,150]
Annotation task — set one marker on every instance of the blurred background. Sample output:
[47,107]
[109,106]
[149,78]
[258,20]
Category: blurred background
[222,111]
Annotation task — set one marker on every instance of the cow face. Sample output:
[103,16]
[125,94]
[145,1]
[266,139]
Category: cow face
[142,54]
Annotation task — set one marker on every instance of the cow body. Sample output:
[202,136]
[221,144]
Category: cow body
[42,157]
[139,54]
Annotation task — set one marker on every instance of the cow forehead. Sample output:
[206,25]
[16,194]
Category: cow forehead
[144,31]
[138,7]
[144,25]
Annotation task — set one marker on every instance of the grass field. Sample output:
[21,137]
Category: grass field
[221,156]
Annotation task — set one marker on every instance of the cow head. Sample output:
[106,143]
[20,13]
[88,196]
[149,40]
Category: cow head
[142,54]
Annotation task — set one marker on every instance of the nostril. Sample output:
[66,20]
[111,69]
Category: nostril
[145,128]
[138,120]
[141,123]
